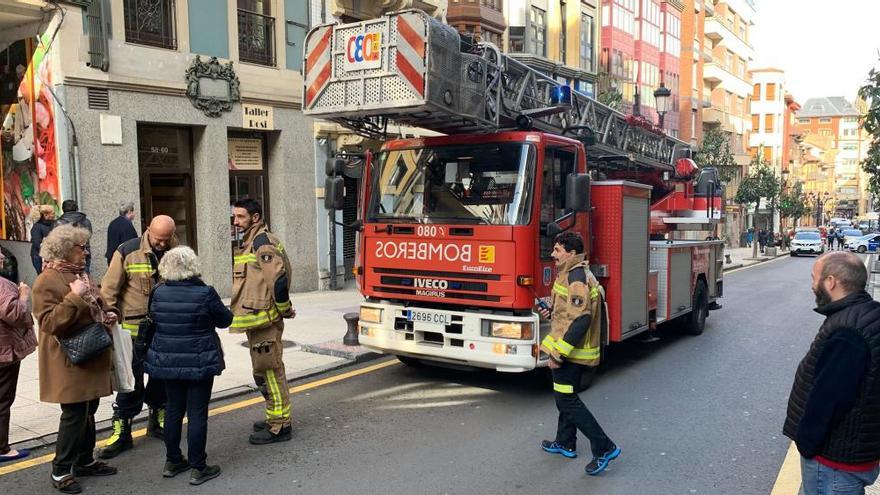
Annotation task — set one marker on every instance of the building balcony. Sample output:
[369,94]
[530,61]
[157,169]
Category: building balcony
[714,74]
[727,122]
[718,32]
[256,38]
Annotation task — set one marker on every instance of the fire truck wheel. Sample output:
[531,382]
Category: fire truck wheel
[695,321]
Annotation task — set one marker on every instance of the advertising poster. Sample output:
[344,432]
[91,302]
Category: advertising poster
[28,142]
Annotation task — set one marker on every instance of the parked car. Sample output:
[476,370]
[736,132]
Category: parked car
[807,242]
[865,244]
[850,236]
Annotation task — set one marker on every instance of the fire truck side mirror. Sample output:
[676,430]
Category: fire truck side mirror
[334,193]
[577,192]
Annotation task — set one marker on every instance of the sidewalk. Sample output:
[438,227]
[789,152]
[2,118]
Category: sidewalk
[742,257]
[318,326]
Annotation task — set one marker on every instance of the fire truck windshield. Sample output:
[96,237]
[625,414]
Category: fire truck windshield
[479,184]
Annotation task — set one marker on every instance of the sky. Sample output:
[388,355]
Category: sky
[826,48]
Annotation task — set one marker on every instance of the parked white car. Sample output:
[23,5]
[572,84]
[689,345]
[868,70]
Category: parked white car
[850,236]
[807,242]
[865,244]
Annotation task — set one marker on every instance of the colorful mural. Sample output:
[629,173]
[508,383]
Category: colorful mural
[28,145]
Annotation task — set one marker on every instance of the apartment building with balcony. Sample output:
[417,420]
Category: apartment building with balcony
[557,37]
[836,120]
[693,95]
[133,106]
[768,117]
[641,49]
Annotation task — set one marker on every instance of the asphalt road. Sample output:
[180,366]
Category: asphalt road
[692,415]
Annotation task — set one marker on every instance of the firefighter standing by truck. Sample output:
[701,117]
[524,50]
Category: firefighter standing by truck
[260,302]
[131,276]
[574,341]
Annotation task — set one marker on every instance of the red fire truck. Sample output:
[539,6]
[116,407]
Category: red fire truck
[456,231]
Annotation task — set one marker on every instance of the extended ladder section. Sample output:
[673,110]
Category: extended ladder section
[410,69]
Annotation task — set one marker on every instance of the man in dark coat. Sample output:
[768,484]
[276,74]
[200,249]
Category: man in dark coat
[120,229]
[834,408]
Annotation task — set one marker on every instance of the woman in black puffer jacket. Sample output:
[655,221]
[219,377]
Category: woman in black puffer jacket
[185,352]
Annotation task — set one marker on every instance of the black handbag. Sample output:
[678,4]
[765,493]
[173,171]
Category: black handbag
[146,329]
[90,342]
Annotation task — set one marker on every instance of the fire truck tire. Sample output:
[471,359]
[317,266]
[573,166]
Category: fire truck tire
[695,321]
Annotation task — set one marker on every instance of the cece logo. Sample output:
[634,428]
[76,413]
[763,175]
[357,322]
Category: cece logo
[362,51]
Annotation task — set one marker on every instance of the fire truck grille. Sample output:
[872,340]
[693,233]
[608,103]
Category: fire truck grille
[447,294]
[448,284]
[432,273]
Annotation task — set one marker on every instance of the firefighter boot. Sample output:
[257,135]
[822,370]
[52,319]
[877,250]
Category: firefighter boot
[119,441]
[266,436]
[156,424]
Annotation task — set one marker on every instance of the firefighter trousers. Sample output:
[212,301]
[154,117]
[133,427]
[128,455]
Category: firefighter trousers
[573,413]
[269,374]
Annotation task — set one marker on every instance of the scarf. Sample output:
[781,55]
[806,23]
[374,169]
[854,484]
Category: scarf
[92,294]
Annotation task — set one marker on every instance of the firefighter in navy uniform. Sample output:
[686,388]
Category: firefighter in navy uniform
[574,342]
[260,302]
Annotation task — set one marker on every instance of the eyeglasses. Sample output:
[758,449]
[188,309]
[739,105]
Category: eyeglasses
[84,247]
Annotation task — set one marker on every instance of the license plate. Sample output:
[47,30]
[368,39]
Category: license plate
[428,317]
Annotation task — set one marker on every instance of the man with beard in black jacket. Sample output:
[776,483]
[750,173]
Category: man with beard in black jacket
[834,407]
[72,216]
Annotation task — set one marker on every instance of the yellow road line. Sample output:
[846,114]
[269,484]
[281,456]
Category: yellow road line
[36,461]
[789,480]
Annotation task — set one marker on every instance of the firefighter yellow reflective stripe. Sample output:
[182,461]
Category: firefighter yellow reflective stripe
[549,342]
[283,306]
[244,258]
[586,353]
[563,389]
[564,347]
[138,268]
[254,319]
[131,327]
[275,410]
[560,289]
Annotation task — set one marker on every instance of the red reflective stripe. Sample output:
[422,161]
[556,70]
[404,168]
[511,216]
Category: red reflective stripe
[319,83]
[412,75]
[411,37]
[319,50]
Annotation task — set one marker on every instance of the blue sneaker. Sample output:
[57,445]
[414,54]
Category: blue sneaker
[599,464]
[555,448]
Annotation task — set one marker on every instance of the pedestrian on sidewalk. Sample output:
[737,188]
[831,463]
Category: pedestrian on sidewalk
[120,230]
[72,216]
[576,321]
[832,236]
[834,406]
[185,353]
[762,239]
[750,237]
[65,302]
[17,340]
[132,274]
[261,278]
[45,215]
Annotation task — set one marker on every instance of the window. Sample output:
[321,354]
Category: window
[756,91]
[803,121]
[825,132]
[563,33]
[538,31]
[825,120]
[771,91]
[558,163]
[517,39]
[756,122]
[768,123]
[150,22]
[586,42]
[256,32]
[768,154]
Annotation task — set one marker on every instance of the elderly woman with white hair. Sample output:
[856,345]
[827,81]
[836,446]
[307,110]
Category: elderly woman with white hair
[185,353]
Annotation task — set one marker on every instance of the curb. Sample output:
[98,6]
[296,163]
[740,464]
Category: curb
[48,440]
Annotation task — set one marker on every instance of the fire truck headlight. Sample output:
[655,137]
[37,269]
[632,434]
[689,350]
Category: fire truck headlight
[371,315]
[508,330]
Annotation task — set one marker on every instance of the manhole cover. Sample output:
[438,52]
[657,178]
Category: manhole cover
[286,344]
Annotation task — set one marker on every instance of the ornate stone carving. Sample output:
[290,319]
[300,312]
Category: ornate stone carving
[212,87]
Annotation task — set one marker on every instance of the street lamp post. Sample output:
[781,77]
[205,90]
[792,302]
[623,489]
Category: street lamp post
[662,99]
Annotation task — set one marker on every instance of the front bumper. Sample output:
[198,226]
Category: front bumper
[807,249]
[458,344]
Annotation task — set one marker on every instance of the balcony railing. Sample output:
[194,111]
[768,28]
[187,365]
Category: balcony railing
[256,38]
[150,22]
